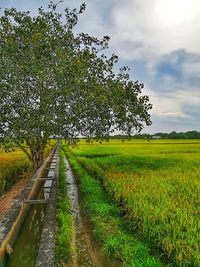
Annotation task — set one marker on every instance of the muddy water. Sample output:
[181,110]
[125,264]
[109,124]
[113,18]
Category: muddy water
[88,252]
[26,246]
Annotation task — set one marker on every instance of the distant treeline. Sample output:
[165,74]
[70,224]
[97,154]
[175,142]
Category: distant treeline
[181,135]
[172,135]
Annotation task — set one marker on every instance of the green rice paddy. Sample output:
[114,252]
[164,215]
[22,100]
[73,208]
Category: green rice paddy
[157,185]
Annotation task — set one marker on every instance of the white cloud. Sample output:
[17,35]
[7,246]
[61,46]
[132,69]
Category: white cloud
[172,104]
[141,21]
[191,68]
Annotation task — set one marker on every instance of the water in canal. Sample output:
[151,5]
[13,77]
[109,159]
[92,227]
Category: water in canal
[26,246]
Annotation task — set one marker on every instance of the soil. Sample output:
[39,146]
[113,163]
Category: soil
[7,200]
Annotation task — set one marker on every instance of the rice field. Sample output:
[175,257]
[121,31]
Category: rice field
[13,164]
[158,185]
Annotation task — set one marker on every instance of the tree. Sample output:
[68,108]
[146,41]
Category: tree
[55,82]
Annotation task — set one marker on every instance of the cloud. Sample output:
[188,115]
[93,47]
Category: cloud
[173,103]
[140,21]
[178,69]
[180,110]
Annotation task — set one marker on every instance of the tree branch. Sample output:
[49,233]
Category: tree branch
[24,150]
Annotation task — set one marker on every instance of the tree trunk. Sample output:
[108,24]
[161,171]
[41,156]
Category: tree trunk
[36,159]
[37,155]
[34,151]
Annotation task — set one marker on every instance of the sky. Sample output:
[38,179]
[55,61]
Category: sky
[159,40]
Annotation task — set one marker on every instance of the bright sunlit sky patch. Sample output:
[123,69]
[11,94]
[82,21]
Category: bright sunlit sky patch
[159,40]
[175,12]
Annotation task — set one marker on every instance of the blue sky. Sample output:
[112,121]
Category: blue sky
[159,40]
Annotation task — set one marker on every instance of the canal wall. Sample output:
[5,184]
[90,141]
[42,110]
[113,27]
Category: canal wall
[11,223]
[46,250]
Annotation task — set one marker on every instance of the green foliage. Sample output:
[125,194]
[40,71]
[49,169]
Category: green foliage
[65,228]
[56,82]
[109,229]
[158,186]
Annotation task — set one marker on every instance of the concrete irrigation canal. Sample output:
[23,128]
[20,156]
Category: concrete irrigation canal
[27,231]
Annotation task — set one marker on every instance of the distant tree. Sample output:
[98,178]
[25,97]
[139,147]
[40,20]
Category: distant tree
[192,135]
[57,83]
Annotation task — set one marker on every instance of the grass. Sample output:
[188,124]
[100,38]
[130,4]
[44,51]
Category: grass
[65,228]
[109,228]
[157,184]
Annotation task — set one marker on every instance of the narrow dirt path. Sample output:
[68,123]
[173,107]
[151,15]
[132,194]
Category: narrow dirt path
[88,252]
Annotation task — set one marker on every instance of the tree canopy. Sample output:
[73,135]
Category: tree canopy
[54,82]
